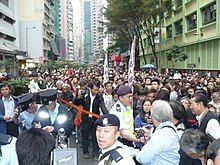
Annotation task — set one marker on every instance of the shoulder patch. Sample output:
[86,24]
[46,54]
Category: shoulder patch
[116,156]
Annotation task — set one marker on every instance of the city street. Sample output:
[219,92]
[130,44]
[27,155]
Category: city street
[81,159]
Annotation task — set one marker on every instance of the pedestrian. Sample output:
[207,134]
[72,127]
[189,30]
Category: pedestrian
[163,145]
[112,151]
[213,153]
[34,147]
[92,102]
[8,104]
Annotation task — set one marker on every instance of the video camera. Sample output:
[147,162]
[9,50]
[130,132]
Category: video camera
[141,131]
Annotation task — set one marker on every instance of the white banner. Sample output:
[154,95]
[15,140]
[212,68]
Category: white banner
[105,74]
[131,63]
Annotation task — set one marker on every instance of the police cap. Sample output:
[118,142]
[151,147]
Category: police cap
[48,95]
[108,120]
[123,90]
[25,101]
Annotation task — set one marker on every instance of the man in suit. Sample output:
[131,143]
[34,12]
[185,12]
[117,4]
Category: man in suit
[91,101]
[7,111]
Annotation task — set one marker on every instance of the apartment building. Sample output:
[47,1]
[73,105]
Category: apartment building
[195,26]
[9,38]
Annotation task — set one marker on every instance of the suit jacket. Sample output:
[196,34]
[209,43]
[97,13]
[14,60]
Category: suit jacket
[2,114]
[98,102]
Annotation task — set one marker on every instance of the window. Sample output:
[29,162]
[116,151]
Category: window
[169,31]
[5,2]
[191,20]
[179,3]
[179,27]
[209,14]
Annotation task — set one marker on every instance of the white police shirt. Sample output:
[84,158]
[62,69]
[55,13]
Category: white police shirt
[9,155]
[124,155]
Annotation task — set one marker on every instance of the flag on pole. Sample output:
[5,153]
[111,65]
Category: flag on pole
[105,74]
[131,63]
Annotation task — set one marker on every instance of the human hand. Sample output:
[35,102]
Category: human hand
[7,118]
[48,128]
[37,125]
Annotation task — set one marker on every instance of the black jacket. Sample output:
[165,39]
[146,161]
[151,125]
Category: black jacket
[98,102]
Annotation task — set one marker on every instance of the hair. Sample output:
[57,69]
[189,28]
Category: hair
[155,79]
[34,147]
[142,113]
[178,109]
[162,94]
[213,149]
[142,91]
[201,98]
[193,140]
[94,83]
[161,111]
[105,84]
[5,84]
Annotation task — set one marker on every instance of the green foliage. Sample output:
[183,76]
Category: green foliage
[175,54]
[19,86]
[135,17]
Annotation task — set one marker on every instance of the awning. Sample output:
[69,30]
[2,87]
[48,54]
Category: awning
[54,48]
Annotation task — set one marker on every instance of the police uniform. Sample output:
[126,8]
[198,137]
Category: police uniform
[25,118]
[117,154]
[56,117]
[124,113]
[8,154]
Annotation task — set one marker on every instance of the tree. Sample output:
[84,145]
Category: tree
[136,17]
[175,54]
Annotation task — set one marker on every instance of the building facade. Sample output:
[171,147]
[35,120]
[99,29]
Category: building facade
[9,36]
[195,26]
[37,29]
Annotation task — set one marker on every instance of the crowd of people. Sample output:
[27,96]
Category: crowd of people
[170,118]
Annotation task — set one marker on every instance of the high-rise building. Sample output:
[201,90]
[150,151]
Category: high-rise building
[195,27]
[37,31]
[70,31]
[9,36]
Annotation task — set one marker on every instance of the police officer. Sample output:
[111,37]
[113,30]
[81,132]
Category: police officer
[27,108]
[112,151]
[8,154]
[123,110]
[52,115]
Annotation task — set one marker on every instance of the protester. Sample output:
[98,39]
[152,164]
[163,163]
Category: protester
[194,143]
[92,102]
[213,153]
[163,146]
[34,147]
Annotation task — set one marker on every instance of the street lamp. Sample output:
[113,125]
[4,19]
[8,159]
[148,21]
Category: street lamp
[26,35]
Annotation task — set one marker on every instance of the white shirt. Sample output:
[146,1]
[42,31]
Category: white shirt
[127,158]
[9,155]
[33,86]
[9,105]
[213,126]
[91,103]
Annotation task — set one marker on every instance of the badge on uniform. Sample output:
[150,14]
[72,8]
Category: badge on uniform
[118,108]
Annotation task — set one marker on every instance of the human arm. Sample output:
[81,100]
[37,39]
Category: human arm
[213,128]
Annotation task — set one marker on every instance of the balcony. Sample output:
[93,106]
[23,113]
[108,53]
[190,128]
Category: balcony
[7,28]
